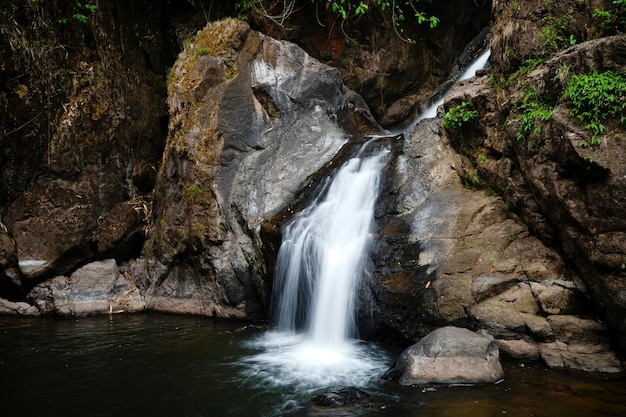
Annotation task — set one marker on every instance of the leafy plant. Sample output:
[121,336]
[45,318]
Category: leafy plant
[595,97]
[613,20]
[192,192]
[555,33]
[403,12]
[82,8]
[458,115]
[534,111]
[102,214]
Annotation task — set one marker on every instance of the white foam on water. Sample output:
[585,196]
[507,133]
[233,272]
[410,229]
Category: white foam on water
[298,365]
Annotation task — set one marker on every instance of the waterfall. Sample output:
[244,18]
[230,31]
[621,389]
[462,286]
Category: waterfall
[479,63]
[320,264]
[321,258]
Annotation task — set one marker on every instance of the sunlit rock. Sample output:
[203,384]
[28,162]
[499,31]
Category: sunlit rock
[96,288]
[450,355]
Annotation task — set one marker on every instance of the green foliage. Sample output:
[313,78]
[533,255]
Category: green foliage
[398,10]
[613,20]
[595,97]
[403,12]
[202,50]
[188,41]
[555,33]
[82,9]
[534,112]
[458,115]
[192,192]
[102,214]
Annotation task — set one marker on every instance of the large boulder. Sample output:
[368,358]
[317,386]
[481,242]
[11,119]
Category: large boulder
[450,355]
[251,119]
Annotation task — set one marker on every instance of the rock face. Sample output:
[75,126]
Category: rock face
[449,255]
[450,355]
[395,68]
[251,119]
[81,135]
[569,194]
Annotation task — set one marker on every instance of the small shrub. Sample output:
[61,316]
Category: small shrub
[613,20]
[596,97]
[458,115]
[534,112]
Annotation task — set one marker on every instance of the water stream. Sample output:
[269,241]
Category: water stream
[482,61]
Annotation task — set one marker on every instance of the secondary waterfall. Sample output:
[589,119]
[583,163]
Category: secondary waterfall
[479,63]
[320,261]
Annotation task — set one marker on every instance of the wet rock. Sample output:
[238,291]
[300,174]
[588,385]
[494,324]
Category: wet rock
[449,355]
[96,288]
[340,397]
[449,255]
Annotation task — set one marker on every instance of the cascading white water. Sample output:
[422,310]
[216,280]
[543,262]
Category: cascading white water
[479,63]
[322,253]
[319,266]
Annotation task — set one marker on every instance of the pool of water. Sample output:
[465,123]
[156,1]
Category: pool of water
[168,365]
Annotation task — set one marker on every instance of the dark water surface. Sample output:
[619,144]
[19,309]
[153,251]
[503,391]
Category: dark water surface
[168,365]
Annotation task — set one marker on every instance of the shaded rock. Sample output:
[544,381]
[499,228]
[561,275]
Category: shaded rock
[449,355]
[96,288]
[584,357]
[18,308]
[575,343]
[10,279]
[82,132]
[339,397]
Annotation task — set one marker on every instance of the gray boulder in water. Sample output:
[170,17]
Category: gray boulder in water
[449,355]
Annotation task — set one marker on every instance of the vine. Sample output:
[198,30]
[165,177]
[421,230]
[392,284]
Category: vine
[402,11]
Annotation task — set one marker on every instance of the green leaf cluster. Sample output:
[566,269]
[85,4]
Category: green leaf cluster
[83,8]
[403,12]
[614,19]
[534,112]
[398,9]
[595,97]
[458,115]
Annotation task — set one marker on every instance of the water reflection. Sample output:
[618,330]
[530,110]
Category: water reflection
[163,365]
